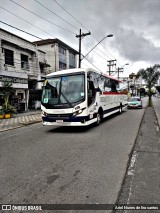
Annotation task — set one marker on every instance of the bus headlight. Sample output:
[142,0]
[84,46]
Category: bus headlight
[78,112]
[43,113]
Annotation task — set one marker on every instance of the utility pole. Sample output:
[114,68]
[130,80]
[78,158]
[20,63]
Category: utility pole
[119,70]
[80,36]
[111,64]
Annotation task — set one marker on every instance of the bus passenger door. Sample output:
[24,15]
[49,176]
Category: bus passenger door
[91,93]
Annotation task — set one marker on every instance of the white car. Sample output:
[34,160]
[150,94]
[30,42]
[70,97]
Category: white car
[134,102]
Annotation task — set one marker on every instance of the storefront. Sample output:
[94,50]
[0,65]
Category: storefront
[20,85]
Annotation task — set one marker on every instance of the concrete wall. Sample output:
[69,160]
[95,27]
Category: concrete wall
[17,74]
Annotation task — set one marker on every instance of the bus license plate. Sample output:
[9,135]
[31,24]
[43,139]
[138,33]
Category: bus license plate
[59,121]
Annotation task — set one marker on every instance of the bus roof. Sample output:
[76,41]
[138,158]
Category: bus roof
[111,77]
[76,70]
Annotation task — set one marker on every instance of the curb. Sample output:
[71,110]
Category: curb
[16,116]
[21,125]
[30,122]
[10,128]
[158,121]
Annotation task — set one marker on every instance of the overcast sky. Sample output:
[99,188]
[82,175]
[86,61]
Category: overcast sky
[135,25]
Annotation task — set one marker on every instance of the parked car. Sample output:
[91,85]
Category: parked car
[135,102]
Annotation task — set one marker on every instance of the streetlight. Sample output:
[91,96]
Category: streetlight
[109,35]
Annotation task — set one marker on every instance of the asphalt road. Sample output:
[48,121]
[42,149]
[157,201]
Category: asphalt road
[65,164]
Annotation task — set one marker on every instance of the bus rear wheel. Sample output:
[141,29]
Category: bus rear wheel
[120,109]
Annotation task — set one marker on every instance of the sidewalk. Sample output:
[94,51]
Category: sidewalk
[20,119]
[141,184]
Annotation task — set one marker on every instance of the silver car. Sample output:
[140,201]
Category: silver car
[134,102]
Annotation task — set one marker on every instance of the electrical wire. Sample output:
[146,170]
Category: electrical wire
[49,61]
[81,25]
[41,17]
[20,30]
[34,26]
[26,21]
[56,14]
[67,23]
[70,14]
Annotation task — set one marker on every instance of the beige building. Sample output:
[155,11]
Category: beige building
[58,54]
[22,64]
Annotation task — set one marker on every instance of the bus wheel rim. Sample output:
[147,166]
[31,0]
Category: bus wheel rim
[98,118]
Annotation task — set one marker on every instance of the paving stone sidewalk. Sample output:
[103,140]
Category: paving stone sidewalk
[141,184]
[20,120]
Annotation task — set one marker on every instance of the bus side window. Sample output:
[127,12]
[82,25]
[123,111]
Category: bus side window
[113,86]
[91,92]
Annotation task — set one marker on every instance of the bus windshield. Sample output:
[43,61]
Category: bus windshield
[65,91]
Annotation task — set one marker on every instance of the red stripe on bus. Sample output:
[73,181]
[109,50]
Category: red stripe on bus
[114,93]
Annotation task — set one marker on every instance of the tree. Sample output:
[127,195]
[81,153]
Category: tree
[150,76]
[6,92]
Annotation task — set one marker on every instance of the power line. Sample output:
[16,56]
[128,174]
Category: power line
[82,25]
[36,27]
[49,51]
[41,17]
[74,18]
[96,52]
[92,64]
[66,22]
[26,21]
[20,42]
[70,14]
[56,14]
[20,30]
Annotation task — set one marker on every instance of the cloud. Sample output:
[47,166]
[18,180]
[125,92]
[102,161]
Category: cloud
[134,24]
[136,47]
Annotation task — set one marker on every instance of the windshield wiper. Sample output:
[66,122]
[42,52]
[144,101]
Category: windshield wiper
[65,98]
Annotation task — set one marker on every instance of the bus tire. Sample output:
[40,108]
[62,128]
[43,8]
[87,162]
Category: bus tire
[120,109]
[98,119]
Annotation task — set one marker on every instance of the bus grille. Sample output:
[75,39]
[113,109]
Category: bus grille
[60,116]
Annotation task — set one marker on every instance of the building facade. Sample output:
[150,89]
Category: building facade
[22,64]
[58,54]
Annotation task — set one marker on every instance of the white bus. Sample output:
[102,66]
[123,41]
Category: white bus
[80,97]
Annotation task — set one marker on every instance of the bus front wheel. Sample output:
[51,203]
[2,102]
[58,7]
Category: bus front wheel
[99,119]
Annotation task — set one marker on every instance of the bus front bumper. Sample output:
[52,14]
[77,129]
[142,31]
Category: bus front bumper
[59,123]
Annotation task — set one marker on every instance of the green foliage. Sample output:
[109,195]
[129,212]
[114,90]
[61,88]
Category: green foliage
[6,91]
[150,76]
[1,110]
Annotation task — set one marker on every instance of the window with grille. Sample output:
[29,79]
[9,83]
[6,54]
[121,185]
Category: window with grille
[62,66]
[24,61]
[72,55]
[9,57]
[62,50]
